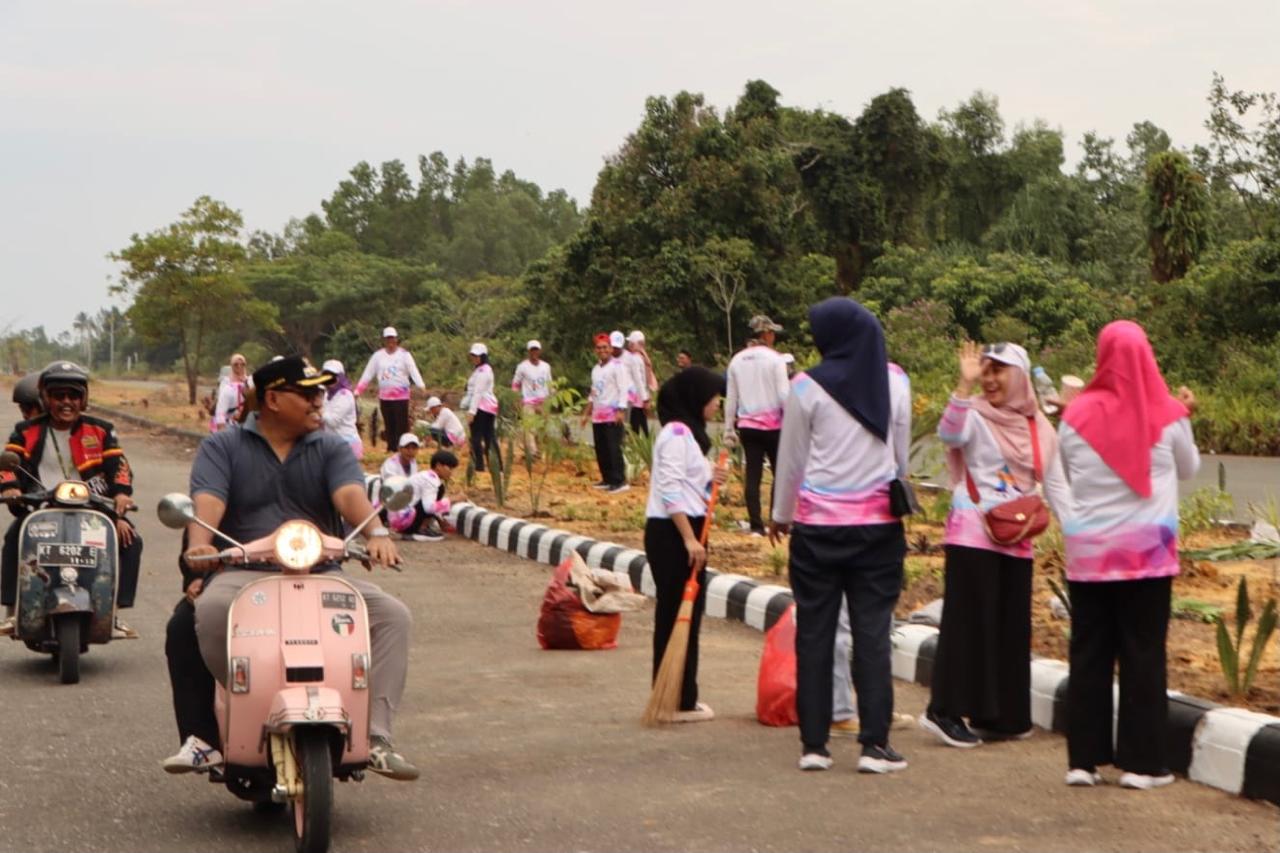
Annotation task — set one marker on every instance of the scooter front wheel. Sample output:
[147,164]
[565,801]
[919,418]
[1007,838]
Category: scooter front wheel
[313,808]
[67,631]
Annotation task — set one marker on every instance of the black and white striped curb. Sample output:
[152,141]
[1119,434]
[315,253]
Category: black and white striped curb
[1232,749]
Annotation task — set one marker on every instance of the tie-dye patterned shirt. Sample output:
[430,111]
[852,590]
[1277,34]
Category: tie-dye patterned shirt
[832,471]
[1111,532]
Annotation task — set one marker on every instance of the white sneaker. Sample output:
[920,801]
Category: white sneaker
[1139,782]
[196,756]
[1078,777]
[7,626]
[617,490]
[426,537]
[701,713]
[815,761]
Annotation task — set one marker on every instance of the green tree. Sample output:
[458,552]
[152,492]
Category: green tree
[185,283]
[1176,208]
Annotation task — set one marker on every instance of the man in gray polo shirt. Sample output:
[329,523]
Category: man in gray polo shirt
[281,466]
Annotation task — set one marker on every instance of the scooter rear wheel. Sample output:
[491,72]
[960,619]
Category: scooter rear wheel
[313,809]
[67,631]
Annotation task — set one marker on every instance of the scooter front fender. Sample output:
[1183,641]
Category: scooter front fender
[70,600]
[308,705]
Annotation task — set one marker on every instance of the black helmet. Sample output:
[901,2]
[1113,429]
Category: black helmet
[64,374]
[26,393]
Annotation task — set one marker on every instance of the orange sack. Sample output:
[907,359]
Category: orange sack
[565,623]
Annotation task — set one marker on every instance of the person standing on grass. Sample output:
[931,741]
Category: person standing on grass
[532,378]
[446,427]
[607,409]
[684,359]
[676,513]
[396,373]
[1125,443]
[846,433]
[482,406]
[341,414]
[643,382]
[982,668]
[757,389]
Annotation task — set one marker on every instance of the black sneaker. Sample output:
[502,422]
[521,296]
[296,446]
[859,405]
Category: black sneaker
[880,759]
[950,730]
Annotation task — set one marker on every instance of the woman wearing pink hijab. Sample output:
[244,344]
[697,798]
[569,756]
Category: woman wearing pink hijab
[1125,443]
[982,668]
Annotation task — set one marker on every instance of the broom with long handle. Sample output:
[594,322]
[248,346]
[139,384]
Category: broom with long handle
[664,700]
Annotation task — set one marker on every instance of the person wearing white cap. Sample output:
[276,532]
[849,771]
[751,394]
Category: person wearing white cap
[481,405]
[756,389]
[532,378]
[607,408]
[340,414]
[404,462]
[396,373]
[446,430]
[643,381]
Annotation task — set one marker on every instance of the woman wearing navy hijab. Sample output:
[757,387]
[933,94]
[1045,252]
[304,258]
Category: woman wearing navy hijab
[846,432]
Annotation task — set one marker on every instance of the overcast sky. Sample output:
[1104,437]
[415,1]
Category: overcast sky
[116,114]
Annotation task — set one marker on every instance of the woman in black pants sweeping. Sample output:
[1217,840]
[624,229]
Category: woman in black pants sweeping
[679,486]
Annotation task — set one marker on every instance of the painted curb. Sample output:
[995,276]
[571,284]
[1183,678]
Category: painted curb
[1231,749]
[148,423]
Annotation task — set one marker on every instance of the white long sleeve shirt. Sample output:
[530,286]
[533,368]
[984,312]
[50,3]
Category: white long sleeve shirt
[533,381]
[340,415]
[394,372]
[681,474]
[756,389]
[638,375]
[230,396]
[428,489]
[832,471]
[1111,532]
[451,425]
[479,396]
[393,467]
[609,384]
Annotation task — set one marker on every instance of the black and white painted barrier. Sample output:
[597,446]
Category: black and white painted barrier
[1228,748]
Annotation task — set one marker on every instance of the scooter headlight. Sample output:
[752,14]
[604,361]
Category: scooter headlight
[69,575]
[299,545]
[71,492]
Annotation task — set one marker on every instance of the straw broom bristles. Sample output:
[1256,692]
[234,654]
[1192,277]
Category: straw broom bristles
[664,699]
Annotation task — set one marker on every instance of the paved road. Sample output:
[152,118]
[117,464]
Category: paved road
[530,750]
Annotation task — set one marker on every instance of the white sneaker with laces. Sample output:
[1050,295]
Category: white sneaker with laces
[1141,782]
[1078,777]
[815,761]
[196,756]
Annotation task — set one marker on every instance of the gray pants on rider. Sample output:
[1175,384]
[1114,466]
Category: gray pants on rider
[389,626]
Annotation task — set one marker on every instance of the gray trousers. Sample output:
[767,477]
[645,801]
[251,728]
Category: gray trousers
[389,626]
[842,698]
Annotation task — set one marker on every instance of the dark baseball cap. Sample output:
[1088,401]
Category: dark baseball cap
[293,371]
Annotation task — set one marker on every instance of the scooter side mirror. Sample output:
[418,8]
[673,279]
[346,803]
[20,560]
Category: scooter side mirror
[396,493]
[176,510]
[9,461]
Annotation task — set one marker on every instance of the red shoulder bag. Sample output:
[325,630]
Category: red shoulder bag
[1020,519]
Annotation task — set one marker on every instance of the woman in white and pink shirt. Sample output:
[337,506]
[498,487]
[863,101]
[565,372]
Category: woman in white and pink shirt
[846,432]
[532,378]
[1125,444]
[481,405]
[982,668]
[396,372]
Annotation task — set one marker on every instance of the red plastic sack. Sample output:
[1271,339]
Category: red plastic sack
[566,624]
[776,686]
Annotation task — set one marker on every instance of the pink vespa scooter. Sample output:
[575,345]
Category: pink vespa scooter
[295,713]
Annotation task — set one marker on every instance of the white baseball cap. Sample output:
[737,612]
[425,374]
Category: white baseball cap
[479,349]
[390,332]
[1010,354]
[616,340]
[333,366]
[636,337]
[409,438]
[432,402]
[533,345]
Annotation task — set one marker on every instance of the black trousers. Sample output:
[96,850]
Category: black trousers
[863,565]
[395,421]
[756,445]
[1128,622]
[669,563]
[440,437]
[126,584]
[982,667]
[639,420]
[608,440]
[189,679]
[483,436]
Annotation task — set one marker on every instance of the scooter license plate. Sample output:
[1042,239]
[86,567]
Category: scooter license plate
[58,554]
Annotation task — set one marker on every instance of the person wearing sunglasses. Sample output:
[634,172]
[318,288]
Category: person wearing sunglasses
[66,444]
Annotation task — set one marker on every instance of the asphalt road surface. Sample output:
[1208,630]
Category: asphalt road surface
[523,749]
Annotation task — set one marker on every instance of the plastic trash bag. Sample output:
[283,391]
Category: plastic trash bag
[566,624]
[776,685]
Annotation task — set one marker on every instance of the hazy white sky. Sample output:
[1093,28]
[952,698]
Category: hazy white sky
[116,114]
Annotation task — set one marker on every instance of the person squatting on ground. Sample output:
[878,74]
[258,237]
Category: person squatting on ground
[63,443]
[482,407]
[237,482]
[446,428]
[981,670]
[1125,444]
[756,390]
[643,382]
[844,707]
[404,463]
[341,414]
[423,520]
[394,369]
[607,409]
[679,489]
[846,432]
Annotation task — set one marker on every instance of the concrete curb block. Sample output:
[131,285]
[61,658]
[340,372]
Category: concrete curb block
[1231,749]
[138,420]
